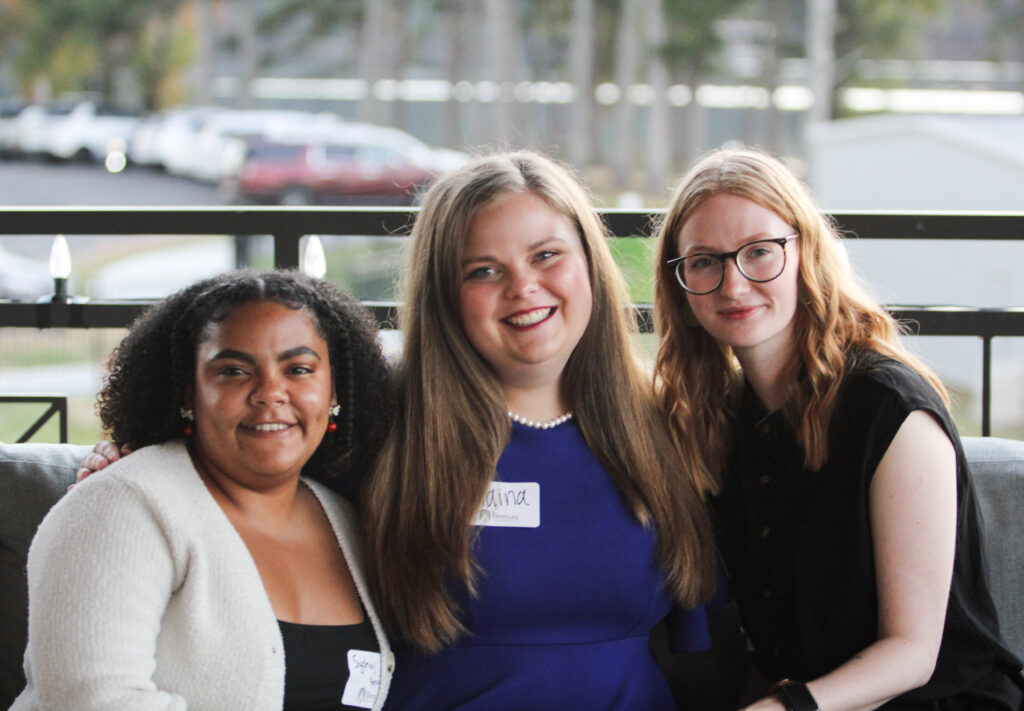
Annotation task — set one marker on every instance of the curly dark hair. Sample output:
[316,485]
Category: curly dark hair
[153,367]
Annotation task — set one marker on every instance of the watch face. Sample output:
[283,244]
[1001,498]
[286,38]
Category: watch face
[797,697]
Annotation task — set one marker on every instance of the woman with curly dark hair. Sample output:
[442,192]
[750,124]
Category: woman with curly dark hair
[197,570]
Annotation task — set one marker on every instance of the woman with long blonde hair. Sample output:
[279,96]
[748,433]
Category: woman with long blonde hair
[843,507]
[529,520]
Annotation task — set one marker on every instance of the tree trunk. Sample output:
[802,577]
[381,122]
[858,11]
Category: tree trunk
[501,36]
[401,47]
[821,59]
[693,120]
[371,56]
[582,58]
[658,149]
[248,51]
[157,61]
[458,24]
[203,67]
[626,60]
[772,61]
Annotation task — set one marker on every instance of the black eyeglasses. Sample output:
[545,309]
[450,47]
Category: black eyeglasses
[759,261]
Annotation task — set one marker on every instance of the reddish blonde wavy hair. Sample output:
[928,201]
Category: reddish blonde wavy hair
[696,377]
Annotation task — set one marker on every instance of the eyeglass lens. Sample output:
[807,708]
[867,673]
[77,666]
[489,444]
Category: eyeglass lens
[757,261]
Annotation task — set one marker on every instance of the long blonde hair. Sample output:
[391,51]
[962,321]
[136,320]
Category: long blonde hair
[452,425]
[697,376]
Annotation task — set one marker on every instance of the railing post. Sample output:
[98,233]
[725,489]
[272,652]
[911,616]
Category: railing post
[58,405]
[286,250]
[986,386]
[61,406]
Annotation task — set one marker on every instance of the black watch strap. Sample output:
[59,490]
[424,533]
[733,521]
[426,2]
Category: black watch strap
[797,697]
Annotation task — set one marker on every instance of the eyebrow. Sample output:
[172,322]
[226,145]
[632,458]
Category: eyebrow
[705,249]
[529,248]
[233,354]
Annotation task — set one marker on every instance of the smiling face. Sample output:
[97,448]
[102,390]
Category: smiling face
[262,394]
[754,318]
[525,297]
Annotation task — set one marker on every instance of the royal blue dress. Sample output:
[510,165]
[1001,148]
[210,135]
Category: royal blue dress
[565,609]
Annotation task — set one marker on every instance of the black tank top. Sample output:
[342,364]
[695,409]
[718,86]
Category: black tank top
[797,544]
[316,667]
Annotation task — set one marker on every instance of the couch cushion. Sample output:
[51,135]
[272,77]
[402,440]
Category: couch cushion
[998,468]
[32,478]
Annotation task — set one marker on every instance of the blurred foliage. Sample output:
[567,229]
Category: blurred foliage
[692,44]
[1009,29]
[875,29]
[82,44]
[307,20]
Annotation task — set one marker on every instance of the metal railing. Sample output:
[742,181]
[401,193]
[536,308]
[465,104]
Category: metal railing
[287,226]
[56,405]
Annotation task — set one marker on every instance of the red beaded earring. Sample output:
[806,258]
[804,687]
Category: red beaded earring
[332,426]
[189,417]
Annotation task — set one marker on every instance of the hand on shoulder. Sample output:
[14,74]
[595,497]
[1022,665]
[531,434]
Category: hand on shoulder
[102,455]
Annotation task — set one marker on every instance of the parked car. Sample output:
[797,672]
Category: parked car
[351,164]
[142,149]
[91,131]
[33,125]
[9,110]
[220,143]
[175,139]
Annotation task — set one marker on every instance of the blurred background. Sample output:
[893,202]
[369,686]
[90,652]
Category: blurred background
[879,104]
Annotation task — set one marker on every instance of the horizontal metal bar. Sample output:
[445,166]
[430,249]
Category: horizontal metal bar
[867,225]
[255,220]
[957,321]
[933,225]
[921,320]
[91,314]
[30,398]
[397,221]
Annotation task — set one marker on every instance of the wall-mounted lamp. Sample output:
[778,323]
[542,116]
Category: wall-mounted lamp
[60,269]
[314,262]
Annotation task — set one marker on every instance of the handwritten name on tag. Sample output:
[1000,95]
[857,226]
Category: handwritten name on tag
[363,679]
[511,504]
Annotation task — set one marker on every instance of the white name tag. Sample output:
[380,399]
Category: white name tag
[363,679]
[515,505]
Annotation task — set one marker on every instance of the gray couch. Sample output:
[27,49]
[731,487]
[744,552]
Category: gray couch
[34,476]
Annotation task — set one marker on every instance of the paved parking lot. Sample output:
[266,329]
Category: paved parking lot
[24,183]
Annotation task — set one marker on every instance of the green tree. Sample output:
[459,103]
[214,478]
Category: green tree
[691,50]
[1007,29]
[82,44]
[874,29]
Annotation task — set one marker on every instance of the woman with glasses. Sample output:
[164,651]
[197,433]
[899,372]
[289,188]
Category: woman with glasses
[842,502]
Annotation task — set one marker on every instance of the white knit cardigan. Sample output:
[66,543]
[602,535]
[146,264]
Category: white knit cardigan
[143,597]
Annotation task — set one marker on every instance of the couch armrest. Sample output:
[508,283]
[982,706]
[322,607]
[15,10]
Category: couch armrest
[32,478]
[998,469]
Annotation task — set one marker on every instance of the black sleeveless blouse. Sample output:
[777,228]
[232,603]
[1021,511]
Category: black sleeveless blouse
[797,544]
[316,663]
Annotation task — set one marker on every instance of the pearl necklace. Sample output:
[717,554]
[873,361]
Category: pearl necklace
[540,425]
